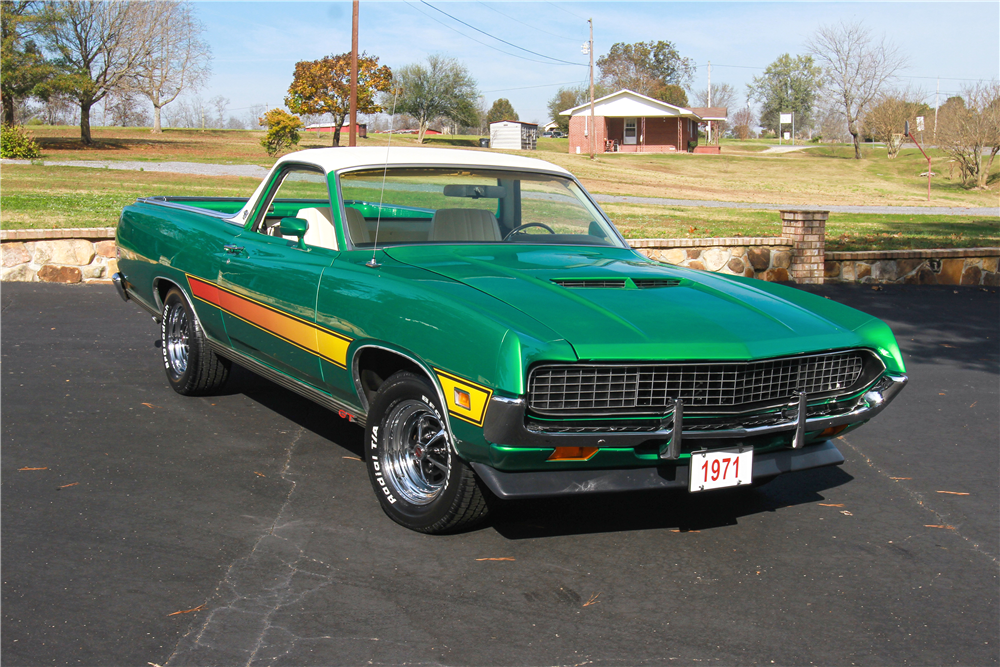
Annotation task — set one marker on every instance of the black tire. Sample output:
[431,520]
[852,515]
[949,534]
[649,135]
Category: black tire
[192,368]
[419,480]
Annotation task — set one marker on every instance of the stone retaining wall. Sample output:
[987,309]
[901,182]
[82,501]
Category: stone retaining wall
[89,256]
[59,255]
[958,266]
[767,258]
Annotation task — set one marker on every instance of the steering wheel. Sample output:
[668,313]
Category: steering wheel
[525,226]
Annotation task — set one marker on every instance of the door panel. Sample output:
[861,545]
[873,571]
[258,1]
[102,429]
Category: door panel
[268,299]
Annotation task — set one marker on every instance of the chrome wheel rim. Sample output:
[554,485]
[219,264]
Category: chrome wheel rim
[175,345]
[417,457]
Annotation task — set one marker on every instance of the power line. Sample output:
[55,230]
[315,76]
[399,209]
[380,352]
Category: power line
[489,46]
[534,27]
[942,78]
[736,66]
[544,85]
[567,11]
[521,48]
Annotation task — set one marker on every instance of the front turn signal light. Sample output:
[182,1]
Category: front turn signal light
[572,453]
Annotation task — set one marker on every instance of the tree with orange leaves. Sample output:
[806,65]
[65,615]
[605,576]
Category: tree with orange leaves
[324,86]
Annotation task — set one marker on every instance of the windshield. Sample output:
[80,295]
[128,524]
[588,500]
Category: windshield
[449,205]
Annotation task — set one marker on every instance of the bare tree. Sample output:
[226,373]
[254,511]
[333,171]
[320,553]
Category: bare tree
[253,114]
[187,112]
[58,109]
[723,95]
[220,104]
[889,113]
[743,122]
[125,109]
[971,131]
[101,44]
[179,60]
[857,66]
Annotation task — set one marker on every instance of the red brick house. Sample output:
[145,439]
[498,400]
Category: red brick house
[632,123]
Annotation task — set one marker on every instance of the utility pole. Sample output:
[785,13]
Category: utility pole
[353,136]
[591,49]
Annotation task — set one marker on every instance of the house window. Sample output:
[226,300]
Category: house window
[629,131]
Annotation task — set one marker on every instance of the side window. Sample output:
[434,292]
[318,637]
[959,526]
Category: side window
[300,193]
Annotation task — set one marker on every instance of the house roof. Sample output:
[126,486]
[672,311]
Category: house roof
[630,104]
[711,113]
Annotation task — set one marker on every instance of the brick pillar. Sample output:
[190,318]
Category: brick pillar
[807,230]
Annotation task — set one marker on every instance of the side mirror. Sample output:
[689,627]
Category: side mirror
[296,227]
[906,128]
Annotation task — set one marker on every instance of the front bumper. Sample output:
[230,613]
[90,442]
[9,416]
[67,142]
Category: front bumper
[511,485]
[506,424]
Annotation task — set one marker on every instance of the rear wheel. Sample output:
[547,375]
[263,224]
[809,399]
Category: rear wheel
[419,480]
[192,368]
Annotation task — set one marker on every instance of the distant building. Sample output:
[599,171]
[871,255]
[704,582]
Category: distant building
[514,134]
[330,127]
[628,122]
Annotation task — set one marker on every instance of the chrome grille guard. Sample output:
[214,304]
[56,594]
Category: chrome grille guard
[505,423]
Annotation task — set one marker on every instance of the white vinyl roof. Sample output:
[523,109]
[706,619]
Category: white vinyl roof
[340,159]
[629,104]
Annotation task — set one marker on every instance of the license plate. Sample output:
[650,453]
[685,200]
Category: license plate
[720,469]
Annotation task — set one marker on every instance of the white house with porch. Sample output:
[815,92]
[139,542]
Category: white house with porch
[628,122]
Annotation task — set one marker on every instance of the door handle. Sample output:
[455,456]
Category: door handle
[232,248]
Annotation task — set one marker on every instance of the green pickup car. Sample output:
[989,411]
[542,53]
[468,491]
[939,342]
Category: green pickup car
[482,319]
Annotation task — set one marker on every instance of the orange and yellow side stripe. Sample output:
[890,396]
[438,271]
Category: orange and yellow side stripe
[312,338]
[466,400]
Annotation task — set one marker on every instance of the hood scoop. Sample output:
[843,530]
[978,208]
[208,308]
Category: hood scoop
[616,283]
[652,283]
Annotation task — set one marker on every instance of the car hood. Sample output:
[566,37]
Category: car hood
[689,315]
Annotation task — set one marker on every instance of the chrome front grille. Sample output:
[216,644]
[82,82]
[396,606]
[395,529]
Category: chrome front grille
[581,389]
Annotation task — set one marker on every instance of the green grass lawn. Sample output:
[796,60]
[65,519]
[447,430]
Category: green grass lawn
[61,197]
[71,197]
[844,231]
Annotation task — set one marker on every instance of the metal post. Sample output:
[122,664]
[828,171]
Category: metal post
[353,140]
[914,140]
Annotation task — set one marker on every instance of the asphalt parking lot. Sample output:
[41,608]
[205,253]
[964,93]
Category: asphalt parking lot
[141,527]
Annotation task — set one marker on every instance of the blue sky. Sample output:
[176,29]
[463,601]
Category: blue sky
[256,44]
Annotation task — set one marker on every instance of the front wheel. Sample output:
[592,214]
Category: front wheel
[419,480]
